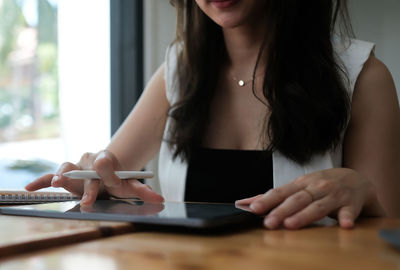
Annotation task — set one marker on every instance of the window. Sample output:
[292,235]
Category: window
[54,84]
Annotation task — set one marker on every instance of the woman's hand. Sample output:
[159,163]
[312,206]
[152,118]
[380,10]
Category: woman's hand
[104,163]
[340,191]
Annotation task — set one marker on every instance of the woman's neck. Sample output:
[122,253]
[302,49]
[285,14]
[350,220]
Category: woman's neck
[242,46]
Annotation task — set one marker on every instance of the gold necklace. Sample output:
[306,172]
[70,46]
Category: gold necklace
[242,83]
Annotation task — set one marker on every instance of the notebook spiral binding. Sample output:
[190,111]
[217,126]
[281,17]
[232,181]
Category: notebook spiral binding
[15,197]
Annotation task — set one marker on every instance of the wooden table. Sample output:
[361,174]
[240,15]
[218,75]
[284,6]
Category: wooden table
[309,248]
[24,234]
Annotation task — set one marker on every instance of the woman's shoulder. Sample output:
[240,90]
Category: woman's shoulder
[171,59]
[353,54]
[350,47]
[375,80]
[171,54]
[364,69]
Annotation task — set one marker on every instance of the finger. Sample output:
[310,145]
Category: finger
[86,161]
[41,182]
[290,206]
[87,209]
[105,166]
[248,200]
[59,180]
[347,216]
[273,197]
[144,192]
[313,212]
[90,193]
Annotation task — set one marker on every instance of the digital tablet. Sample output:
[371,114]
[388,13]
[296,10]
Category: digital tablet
[195,215]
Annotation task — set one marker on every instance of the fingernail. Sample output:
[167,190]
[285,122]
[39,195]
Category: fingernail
[292,222]
[271,222]
[238,201]
[84,199]
[346,223]
[54,180]
[256,207]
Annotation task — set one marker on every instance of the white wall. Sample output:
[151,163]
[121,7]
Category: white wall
[379,22]
[159,31]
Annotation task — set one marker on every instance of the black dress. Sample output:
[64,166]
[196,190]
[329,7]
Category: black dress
[220,175]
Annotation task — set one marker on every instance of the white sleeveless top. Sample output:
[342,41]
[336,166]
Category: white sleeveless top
[172,173]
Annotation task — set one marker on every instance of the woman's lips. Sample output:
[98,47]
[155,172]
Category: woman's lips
[223,3]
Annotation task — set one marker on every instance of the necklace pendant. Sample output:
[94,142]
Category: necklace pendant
[241,83]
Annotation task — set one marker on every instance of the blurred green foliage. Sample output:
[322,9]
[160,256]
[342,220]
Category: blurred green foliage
[35,166]
[11,20]
[28,87]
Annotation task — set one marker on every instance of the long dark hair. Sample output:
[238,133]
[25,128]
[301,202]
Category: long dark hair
[304,83]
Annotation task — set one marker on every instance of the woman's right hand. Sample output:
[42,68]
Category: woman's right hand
[105,164]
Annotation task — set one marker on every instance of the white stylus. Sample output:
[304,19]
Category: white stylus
[85,174]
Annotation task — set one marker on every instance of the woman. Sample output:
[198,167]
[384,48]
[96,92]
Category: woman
[260,96]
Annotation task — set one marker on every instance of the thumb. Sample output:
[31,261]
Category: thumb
[248,200]
[346,216]
[144,192]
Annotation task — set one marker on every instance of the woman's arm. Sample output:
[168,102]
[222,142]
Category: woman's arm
[370,181]
[134,144]
[139,137]
[372,141]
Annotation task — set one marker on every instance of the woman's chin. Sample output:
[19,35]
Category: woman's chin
[228,22]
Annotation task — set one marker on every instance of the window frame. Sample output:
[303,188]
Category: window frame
[126,63]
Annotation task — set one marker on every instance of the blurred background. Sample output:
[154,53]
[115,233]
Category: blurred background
[54,84]
[70,71]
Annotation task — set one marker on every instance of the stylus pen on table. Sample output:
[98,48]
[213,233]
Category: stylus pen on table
[86,174]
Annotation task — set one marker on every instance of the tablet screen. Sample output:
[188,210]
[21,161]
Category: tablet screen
[199,215]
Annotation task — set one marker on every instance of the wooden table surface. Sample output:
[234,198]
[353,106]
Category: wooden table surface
[23,234]
[309,248]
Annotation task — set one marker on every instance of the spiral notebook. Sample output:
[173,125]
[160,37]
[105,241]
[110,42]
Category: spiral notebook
[25,197]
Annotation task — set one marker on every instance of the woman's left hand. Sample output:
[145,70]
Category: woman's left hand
[340,191]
